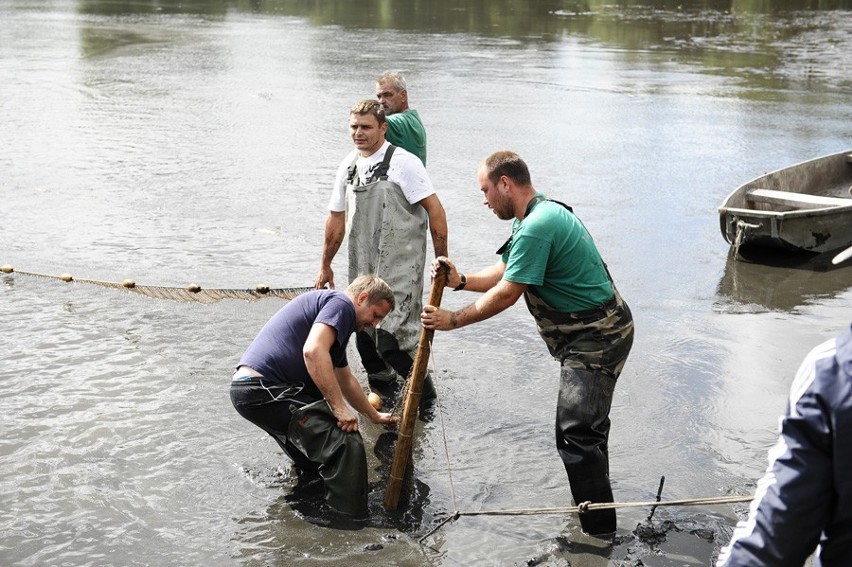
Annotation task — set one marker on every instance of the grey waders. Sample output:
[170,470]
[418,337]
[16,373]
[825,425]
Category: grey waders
[387,237]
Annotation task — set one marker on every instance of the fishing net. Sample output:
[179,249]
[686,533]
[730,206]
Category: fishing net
[191,292]
[400,397]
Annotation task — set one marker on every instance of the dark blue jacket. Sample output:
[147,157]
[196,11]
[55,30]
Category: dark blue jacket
[805,498]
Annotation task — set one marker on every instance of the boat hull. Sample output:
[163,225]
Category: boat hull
[806,207]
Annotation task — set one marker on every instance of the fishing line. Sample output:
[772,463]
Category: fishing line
[291,391]
[443,428]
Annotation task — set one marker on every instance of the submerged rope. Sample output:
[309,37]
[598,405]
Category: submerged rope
[192,292]
[587,507]
[582,508]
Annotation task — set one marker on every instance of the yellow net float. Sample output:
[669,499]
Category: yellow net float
[374,400]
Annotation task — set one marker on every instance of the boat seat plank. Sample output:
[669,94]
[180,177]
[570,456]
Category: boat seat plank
[802,200]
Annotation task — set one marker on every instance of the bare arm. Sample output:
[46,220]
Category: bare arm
[335,226]
[318,360]
[354,394]
[499,298]
[437,223]
[483,280]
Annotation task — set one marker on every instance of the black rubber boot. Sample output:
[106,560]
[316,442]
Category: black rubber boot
[341,456]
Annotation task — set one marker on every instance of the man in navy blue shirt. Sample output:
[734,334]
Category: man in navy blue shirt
[294,382]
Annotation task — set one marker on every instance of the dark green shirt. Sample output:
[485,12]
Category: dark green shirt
[553,253]
[405,129]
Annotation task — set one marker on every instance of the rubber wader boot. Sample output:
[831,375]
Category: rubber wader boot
[341,456]
[598,522]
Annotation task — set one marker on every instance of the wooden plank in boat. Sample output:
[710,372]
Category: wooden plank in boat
[801,200]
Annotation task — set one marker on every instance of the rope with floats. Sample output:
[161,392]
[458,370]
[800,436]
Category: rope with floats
[191,292]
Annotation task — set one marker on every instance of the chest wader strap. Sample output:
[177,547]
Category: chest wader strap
[571,210]
[380,172]
[535,200]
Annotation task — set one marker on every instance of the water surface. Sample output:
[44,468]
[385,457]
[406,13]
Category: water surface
[172,143]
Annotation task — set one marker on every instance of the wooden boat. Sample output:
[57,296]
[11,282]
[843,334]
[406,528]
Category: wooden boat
[806,207]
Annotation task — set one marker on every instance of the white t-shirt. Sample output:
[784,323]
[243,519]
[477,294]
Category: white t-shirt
[406,170]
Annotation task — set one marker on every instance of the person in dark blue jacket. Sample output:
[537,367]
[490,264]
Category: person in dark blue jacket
[804,502]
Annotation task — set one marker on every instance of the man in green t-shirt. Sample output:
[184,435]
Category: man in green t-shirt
[553,262]
[405,129]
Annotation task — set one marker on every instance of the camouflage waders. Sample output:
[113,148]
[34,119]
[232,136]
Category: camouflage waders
[387,237]
[592,346]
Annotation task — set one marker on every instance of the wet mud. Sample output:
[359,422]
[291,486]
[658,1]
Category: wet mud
[658,542]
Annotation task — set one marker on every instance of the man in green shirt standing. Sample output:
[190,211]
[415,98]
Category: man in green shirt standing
[553,262]
[405,129]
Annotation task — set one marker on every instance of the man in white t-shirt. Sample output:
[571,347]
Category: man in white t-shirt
[383,201]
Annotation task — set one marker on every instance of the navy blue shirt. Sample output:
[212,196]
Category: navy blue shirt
[276,351]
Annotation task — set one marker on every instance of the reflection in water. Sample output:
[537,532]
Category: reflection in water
[732,38]
[779,281]
[176,141]
[444,15]
[165,7]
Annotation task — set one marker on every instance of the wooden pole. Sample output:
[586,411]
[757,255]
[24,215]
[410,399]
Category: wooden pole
[404,438]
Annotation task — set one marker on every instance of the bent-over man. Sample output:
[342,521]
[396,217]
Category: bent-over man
[294,382]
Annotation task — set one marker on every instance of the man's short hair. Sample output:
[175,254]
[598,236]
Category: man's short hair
[377,289]
[393,77]
[370,106]
[509,164]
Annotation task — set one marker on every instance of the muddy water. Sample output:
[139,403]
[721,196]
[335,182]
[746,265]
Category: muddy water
[195,142]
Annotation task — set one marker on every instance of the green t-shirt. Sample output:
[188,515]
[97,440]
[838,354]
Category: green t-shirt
[405,129]
[555,255]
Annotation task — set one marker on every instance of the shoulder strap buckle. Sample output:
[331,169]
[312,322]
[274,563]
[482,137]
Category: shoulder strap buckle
[381,172]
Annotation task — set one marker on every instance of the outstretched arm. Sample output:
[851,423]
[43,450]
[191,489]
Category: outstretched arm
[483,280]
[335,226]
[497,299]
[354,394]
